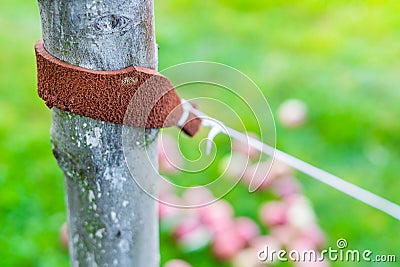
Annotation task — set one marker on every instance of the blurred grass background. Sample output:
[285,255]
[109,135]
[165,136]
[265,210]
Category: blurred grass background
[341,58]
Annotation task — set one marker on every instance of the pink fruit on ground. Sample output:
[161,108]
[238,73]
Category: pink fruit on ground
[279,169]
[292,113]
[265,248]
[169,156]
[258,175]
[64,236]
[263,174]
[247,258]
[217,216]
[315,235]
[197,196]
[193,237]
[234,166]
[284,233]
[167,206]
[246,228]
[307,253]
[227,243]
[273,213]
[286,186]
[170,216]
[177,263]
[301,245]
[300,213]
[186,227]
[266,240]
[165,189]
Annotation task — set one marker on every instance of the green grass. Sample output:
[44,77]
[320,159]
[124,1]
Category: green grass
[340,57]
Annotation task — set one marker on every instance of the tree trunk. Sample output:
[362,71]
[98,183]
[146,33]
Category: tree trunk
[112,222]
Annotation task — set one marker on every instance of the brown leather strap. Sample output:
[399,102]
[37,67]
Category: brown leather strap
[111,95]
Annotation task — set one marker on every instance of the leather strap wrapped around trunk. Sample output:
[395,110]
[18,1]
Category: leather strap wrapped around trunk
[133,96]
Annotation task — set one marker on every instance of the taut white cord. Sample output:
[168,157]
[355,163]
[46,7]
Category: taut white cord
[348,188]
[186,107]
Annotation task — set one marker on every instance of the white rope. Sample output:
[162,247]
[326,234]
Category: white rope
[348,188]
[186,107]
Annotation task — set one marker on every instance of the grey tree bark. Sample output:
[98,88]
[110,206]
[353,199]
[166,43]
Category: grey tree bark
[112,222]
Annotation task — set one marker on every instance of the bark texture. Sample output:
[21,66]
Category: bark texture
[112,222]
